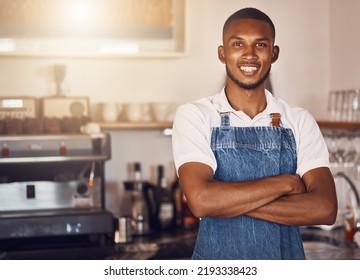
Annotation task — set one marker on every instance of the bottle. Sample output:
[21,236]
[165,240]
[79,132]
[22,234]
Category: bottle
[349,223]
[176,194]
[141,216]
[184,218]
[166,207]
[349,218]
[189,221]
[137,171]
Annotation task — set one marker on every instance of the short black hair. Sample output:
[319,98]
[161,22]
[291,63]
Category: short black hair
[250,13]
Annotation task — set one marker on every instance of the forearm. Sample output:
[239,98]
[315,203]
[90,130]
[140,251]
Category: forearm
[228,199]
[289,210]
[317,206]
[208,197]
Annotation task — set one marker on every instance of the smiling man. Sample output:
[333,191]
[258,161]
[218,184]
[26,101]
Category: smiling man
[252,167]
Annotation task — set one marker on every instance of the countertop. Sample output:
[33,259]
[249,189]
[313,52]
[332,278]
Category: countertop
[328,245]
[178,244]
[319,244]
[175,244]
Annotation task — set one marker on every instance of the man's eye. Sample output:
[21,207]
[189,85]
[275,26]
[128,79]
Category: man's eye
[261,45]
[237,44]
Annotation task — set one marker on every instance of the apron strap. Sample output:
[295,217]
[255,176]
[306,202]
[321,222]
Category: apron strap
[225,120]
[275,119]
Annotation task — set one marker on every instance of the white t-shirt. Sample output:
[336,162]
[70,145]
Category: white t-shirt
[194,121]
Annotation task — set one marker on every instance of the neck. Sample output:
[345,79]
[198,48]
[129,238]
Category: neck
[251,102]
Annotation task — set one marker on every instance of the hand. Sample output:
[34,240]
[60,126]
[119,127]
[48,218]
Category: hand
[295,183]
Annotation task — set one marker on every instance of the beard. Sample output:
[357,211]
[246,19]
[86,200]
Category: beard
[248,86]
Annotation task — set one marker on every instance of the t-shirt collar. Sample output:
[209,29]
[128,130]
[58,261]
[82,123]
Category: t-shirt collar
[222,104]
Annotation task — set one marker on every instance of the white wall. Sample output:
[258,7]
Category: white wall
[301,75]
[301,72]
[345,44]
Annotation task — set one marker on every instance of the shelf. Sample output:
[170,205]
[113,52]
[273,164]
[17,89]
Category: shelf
[55,158]
[338,124]
[164,125]
[135,125]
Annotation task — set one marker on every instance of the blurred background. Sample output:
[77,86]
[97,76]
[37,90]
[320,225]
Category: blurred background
[177,63]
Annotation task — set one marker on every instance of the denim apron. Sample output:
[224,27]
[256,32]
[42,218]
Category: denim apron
[242,154]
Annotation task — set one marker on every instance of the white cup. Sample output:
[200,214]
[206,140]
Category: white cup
[146,112]
[136,112]
[163,112]
[172,112]
[90,128]
[123,232]
[110,112]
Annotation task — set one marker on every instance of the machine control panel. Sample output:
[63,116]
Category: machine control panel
[18,107]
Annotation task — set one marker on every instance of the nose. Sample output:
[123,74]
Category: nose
[249,53]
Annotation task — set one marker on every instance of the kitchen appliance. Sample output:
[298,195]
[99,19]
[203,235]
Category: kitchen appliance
[52,187]
[123,233]
[61,106]
[19,107]
[144,206]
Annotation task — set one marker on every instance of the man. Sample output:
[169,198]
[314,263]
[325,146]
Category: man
[252,167]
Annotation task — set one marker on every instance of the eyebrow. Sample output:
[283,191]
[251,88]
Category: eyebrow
[234,37]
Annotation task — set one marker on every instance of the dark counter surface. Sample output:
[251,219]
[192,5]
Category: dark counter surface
[328,245]
[178,244]
[319,245]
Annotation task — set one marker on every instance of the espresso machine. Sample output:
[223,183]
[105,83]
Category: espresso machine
[52,193]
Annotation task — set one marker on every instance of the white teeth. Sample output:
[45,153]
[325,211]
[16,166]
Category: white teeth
[248,68]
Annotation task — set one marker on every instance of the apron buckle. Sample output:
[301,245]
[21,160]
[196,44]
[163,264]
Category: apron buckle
[275,119]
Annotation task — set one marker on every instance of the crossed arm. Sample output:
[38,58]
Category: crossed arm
[285,199]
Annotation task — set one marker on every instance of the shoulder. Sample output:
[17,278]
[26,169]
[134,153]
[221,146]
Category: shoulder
[295,117]
[202,110]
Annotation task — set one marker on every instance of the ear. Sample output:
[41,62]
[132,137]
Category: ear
[221,54]
[275,54]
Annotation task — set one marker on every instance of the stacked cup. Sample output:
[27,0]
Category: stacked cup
[344,105]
